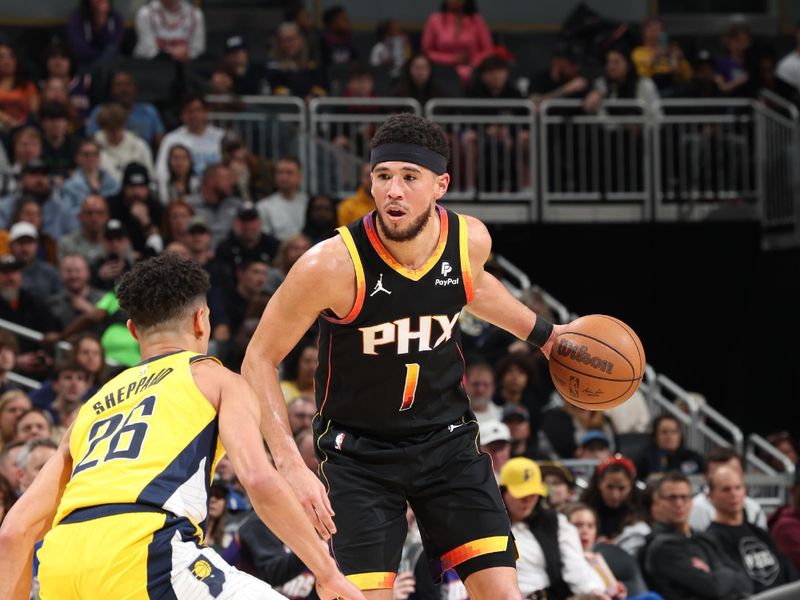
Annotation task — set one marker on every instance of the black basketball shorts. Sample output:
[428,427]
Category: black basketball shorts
[445,478]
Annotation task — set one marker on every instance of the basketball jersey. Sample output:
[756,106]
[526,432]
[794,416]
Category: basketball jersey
[149,436]
[394,365]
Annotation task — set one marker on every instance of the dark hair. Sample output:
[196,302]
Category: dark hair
[592,496]
[313,230]
[358,69]
[515,359]
[721,455]
[86,8]
[412,129]
[23,201]
[383,28]
[291,365]
[9,340]
[9,495]
[470,8]
[329,16]
[57,48]
[670,477]
[94,378]
[86,142]
[189,98]
[291,159]
[292,11]
[171,174]
[39,411]
[660,419]
[574,507]
[161,289]
[53,110]
[20,78]
[71,367]
[493,63]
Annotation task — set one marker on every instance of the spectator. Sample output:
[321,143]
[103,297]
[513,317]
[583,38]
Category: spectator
[18,97]
[8,358]
[416,81]
[551,561]
[359,204]
[197,134]
[143,118]
[13,404]
[298,13]
[338,45]
[246,242]
[24,308]
[744,543]
[732,69]
[78,298]
[679,564]
[34,424]
[221,82]
[299,369]
[495,440]
[784,523]
[59,62]
[181,181]
[198,240]
[562,79]
[493,81]
[560,483]
[54,89]
[613,495]
[787,445]
[479,385]
[27,148]
[514,380]
[457,36]
[7,497]
[283,213]
[176,221]
[8,464]
[34,454]
[119,147]
[251,279]
[171,28]
[88,178]
[58,146]
[620,81]
[218,534]
[138,209]
[38,277]
[290,250]
[87,351]
[788,69]
[70,383]
[290,70]
[703,512]
[215,202]
[594,445]
[88,240]
[117,258]
[660,59]
[666,451]
[94,33]
[320,221]
[301,411]
[618,570]
[393,48]
[354,137]
[247,76]
[29,211]
[518,420]
[251,174]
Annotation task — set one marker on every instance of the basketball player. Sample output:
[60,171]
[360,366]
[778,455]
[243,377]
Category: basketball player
[133,472]
[393,422]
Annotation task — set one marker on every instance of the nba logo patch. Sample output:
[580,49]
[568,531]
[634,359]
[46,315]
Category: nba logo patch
[339,441]
[203,570]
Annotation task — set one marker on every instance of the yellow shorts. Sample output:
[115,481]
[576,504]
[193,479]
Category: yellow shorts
[115,551]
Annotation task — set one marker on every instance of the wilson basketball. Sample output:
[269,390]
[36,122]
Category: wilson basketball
[597,363]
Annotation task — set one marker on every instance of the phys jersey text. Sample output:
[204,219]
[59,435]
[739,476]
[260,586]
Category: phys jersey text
[394,365]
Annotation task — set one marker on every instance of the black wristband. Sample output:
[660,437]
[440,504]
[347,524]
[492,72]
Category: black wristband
[541,332]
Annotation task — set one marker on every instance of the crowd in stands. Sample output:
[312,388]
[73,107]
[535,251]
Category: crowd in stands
[93,179]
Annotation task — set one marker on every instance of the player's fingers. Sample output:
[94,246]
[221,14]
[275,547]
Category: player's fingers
[327,522]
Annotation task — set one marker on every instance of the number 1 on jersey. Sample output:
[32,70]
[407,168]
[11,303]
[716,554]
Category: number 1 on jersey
[410,388]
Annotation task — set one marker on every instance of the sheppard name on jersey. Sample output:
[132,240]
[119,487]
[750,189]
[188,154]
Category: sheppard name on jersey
[112,399]
[399,332]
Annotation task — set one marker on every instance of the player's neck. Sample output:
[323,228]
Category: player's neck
[413,253]
[158,344]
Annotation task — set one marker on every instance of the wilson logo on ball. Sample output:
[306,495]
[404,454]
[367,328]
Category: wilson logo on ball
[581,354]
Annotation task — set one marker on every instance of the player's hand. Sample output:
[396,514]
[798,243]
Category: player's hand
[404,586]
[336,586]
[311,494]
[557,331]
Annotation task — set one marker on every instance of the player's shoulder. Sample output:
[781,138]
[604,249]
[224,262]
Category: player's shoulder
[327,259]
[211,378]
[478,238]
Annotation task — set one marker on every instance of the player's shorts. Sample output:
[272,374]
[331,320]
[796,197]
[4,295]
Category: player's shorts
[133,552]
[446,479]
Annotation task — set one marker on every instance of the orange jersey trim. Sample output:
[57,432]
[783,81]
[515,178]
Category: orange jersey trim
[373,581]
[361,281]
[413,274]
[465,552]
[466,267]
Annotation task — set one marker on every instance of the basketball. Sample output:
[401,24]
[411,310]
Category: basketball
[598,363]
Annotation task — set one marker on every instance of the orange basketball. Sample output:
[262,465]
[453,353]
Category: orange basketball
[597,363]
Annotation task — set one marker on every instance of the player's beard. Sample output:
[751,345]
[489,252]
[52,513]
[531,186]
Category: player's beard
[407,234]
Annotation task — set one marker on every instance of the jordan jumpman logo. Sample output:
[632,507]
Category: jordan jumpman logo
[379,287]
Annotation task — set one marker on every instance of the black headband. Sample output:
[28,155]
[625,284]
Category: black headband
[409,153]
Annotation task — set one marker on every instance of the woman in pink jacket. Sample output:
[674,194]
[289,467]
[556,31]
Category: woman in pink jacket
[457,36]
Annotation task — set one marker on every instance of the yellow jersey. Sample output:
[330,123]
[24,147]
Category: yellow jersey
[149,437]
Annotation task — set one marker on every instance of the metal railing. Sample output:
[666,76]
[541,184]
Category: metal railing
[492,148]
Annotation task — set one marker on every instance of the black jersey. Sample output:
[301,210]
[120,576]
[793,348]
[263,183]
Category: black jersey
[394,364]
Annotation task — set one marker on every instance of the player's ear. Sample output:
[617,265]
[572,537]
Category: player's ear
[440,185]
[132,328]
[199,322]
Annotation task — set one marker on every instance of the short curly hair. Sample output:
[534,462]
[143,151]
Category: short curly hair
[411,129]
[162,289]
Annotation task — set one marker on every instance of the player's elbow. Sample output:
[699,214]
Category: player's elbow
[13,534]
[259,483]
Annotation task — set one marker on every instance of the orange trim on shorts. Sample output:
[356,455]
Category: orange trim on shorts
[463,553]
[413,274]
[466,267]
[361,280]
[373,581]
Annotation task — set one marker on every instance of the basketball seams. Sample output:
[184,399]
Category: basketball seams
[636,342]
[625,358]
